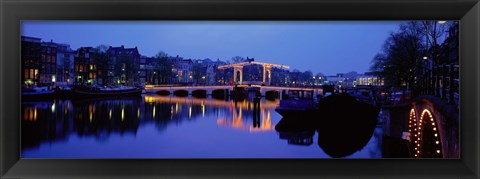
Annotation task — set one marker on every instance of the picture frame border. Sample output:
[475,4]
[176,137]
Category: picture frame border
[12,12]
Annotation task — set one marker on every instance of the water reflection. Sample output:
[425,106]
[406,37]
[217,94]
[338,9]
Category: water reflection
[99,118]
[344,126]
[153,126]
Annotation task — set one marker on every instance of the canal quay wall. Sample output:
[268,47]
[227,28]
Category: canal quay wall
[394,119]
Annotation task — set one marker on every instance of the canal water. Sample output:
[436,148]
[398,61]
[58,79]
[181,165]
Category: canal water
[153,126]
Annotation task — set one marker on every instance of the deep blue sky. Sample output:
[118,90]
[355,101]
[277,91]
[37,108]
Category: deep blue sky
[320,46]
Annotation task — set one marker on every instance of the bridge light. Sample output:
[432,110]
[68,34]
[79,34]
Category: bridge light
[438,151]
[416,155]
[434,128]
[436,135]
[433,124]
[437,142]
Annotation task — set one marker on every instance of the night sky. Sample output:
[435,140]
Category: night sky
[319,46]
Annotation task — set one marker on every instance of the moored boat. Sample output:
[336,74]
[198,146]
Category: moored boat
[103,92]
[37,93]
[297,104]
[362,93]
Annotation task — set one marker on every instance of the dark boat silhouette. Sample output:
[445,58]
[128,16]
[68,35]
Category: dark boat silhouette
[296,132]
[346,124]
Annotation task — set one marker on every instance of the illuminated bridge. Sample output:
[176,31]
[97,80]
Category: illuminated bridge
[430,121]
[238,70]
[209,90]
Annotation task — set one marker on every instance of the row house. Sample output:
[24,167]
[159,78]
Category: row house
[85,68]
[124,66]
[150,72]
[158,70]
[182,70]
[65,64]
[204,72]
[48,63]
[30,55]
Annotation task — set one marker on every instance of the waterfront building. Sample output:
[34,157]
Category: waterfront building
[65,65]
[48,64]
[210,74]
[124,66]
[335,80]
[350,79]
[280,77]
[142,70]
[319,79]
[294,77]
[30,56]
[222,76]
[181,70]
[85,68]
[370,78]
[150,71]
[210,66]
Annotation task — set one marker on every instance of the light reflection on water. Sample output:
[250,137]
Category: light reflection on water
[155,126]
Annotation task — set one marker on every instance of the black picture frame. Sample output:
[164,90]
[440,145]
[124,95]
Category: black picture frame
[13,11]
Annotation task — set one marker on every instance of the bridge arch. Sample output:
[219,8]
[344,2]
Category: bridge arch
[413,130]
[430,146]
[219,93]
[272,94]
[199,93]
[163,92]
[436,127]
[180,92]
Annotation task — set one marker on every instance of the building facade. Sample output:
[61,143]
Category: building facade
[85,68]
[30,55]
[65,65]
[124,66]
[48,64]
[181,70]
[370,78]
